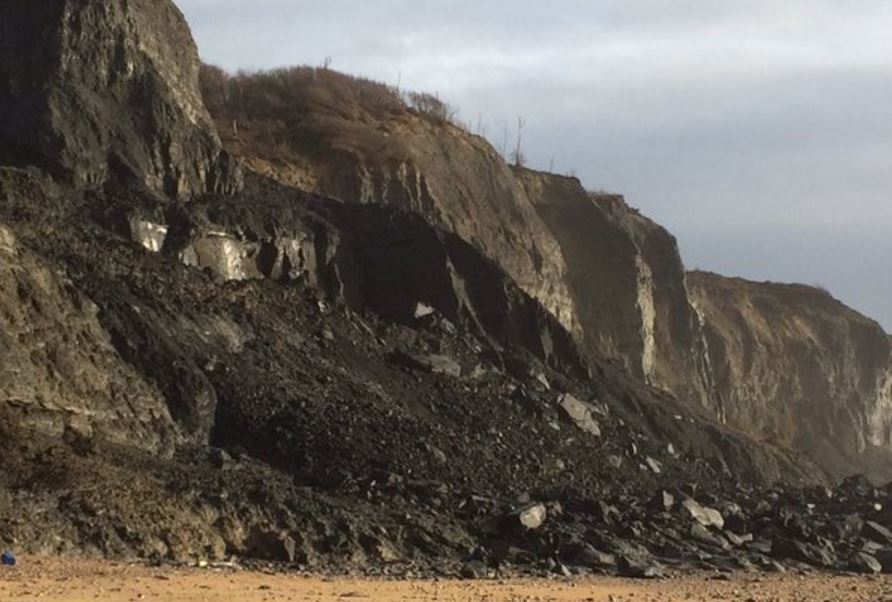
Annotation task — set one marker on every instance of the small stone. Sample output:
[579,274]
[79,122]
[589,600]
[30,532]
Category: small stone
[580,413]
[532,516]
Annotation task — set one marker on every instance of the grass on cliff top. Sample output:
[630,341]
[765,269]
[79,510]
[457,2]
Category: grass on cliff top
[314,111]
[286,93]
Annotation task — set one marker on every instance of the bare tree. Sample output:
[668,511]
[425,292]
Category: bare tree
[518,157]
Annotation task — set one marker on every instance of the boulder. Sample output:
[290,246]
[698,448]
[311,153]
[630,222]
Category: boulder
[708,517]
[533,516]
[580,413]
[813,554]
[876,532]
[865,563]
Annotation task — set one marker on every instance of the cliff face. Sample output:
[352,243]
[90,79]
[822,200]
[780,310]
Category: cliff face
[628,283]
[611,276]
[357,141]
[795,367]
[108,90]
[59,372]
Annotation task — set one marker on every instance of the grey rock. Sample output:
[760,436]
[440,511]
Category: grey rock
[704,535]
[708,517]
[654,465]
[877,532]
[865,563]
[580,413]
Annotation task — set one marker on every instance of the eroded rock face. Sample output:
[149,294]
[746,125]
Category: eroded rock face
[628,284]
[59,373]
[345,146]
[797,368]
[96,90]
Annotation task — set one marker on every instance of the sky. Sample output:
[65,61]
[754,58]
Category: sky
[759,132]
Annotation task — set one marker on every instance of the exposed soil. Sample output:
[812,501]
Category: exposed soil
[77,581]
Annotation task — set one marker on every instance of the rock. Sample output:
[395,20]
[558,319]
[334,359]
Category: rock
[865,563]
[591,557]
[877,532]
[823,556]
[220,458]
[474,569]
[704,535]
[533,516]
[884,556]
[738,540]
[663,501]
[708,517]
[271,545]
[639,568]
[435,364]
[149,235]
[653,465]
[580,413]
[129,73]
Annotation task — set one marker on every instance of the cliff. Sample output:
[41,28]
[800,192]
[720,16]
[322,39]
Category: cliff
[107,90]
[358,141]
[797,368]
[399,376]
[612,277]
[628,282]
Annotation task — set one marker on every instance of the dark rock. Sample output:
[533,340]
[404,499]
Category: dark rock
[591,557]
[877,532]
[865,563]
[663,501]
[639,568]
[816,555]
[474,569]
[271,545]
[704,535]
[435,364]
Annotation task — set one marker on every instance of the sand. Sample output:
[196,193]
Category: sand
[60,580]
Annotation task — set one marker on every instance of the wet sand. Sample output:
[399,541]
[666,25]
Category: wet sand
[60,580]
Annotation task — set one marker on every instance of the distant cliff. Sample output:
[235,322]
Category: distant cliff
[628,283]
[795,367]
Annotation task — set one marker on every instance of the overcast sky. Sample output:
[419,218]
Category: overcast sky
[759,132]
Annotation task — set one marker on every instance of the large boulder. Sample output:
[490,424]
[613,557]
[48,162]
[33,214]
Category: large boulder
[95,90]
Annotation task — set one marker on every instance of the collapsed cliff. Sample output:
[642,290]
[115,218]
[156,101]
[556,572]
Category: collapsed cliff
[795,367]
[388,378]
[100,90]
[358,141]
[613,277]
